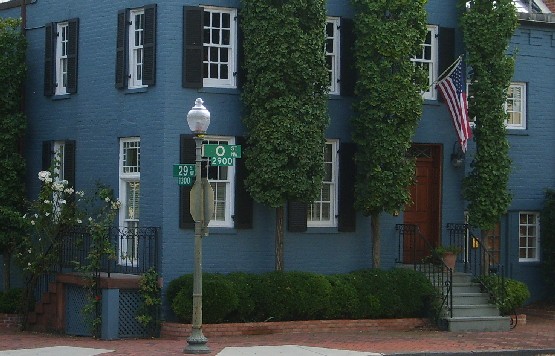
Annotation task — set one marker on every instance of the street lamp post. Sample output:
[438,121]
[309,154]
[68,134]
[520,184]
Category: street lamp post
[198,120]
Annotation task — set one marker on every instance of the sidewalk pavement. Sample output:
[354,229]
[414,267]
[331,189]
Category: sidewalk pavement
[536,337]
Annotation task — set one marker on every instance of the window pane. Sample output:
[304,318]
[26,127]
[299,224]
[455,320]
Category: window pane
[226,20]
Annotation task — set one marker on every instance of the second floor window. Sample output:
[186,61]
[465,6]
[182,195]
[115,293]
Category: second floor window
[210,47]
[332,53]
[428,59]
[219,47]
[136,41]
[136,48]
[515,106]
[60,57]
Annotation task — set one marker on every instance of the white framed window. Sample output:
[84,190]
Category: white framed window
[136,49]
[222,180]
[428,59]
[62,42]
[515,106]
[529,236]
[220,47]
[59,160]
[129,196]
[323,211]
[332,53]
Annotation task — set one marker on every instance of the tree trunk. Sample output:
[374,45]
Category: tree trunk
[6,271]
[279,237]
[376,240]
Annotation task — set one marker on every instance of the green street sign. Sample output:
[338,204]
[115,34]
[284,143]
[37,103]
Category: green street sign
[221,161]
[222,151]
[183,170]
[185,180]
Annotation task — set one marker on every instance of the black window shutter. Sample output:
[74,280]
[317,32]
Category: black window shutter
[47,153]
[241,73]
[347,168]
[187,154]
[347,79]
[49,58]
[446,48]
[296,216]
[69,162]
[72,51]
[243,201]
[121,49]
[69,165]
[149,46]
[193,29]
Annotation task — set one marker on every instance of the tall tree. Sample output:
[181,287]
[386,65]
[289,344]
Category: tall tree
[487,28]
[12,122]
[389,104]
[285,97]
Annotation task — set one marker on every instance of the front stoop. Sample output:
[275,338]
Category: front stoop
[472,310]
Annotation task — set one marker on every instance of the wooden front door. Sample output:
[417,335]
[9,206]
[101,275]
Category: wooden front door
[424,209]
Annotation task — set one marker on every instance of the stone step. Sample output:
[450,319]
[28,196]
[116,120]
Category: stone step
[470,298]
[491,323]
[469,310]
[466,287]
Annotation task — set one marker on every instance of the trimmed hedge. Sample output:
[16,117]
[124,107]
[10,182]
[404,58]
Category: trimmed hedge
[10,301]
[282,296]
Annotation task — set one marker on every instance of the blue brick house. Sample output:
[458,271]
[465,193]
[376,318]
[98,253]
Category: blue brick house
[110,84]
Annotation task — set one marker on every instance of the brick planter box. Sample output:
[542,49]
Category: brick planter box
[176,330]
[10,321]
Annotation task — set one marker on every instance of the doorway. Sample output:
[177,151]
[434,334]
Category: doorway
[424,210]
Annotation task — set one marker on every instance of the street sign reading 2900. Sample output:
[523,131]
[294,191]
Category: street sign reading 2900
[221,155]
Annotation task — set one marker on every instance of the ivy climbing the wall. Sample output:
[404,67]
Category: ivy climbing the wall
[487,28]
[388,106]
[285,97]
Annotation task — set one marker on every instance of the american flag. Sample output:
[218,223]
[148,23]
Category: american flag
[452,88]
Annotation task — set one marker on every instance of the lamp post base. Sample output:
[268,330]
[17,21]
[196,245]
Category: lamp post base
[197,344]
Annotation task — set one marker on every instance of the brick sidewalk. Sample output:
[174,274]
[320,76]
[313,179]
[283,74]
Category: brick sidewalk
[537,334]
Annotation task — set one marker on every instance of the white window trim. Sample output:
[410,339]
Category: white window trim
[62,29]
[536,258]
[125,178]
[522,125]
[230,193]
[335,190]
[431,93]
[231,82]
[334,88]
[133,81]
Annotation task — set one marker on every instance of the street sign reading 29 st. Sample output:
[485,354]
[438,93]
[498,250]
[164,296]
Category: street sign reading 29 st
[184,173]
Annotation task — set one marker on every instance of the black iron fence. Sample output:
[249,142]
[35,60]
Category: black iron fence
[135,250]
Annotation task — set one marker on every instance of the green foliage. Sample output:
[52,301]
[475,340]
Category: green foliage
[150,291]
[487,28]
[285,97]
[279,296]
[12,122]
[10,301]
[547,222]
[516,293]
[219,299]
[389,101]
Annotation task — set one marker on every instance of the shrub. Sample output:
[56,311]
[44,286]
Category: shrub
[516,293]
[219,299]
[280,296]
[10,301]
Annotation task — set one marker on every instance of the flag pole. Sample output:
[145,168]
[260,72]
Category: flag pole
[446,71]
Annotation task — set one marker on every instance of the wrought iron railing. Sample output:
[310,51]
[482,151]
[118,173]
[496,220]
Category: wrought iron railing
[136,250]
[439,274]
[480,261]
